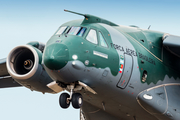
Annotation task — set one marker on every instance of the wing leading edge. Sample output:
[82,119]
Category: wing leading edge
[172,43]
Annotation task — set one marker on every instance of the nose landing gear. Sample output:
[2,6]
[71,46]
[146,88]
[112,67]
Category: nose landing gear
[75,98]
[63,100]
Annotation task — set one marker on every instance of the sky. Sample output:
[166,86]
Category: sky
[22,21]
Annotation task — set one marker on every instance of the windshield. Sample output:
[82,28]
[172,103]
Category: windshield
[61,30]
[79,31]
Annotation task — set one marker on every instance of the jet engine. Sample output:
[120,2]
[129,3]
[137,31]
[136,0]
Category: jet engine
[24,65]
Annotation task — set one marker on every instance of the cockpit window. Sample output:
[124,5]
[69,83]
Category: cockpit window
[102,40]
[61,30]
[77,31]
[92,36]
[74,30]
[82,31]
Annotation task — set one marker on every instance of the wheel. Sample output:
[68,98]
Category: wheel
[77,100]
[63,101]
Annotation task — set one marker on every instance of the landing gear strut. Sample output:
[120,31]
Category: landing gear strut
[75,98]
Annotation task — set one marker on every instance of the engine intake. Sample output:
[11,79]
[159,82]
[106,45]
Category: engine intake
[23,60]
[24,65]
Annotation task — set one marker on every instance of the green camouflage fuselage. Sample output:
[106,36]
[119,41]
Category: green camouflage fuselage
[114,72]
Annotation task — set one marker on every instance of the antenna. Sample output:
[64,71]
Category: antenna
[75,12]
[149,27]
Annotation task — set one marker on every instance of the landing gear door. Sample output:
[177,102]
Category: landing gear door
[126,67]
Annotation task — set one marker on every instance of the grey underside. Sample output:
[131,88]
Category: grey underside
[93,113]
[109,99]
[163,102]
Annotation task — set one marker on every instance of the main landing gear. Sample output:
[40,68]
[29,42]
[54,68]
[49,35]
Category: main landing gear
[75,98]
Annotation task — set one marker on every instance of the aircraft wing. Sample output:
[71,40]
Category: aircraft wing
[3,69]
[5,79]
[172,43]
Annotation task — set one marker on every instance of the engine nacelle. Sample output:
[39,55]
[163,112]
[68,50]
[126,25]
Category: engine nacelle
[24,65]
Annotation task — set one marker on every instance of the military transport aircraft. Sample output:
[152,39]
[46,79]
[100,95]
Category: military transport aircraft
[111,72]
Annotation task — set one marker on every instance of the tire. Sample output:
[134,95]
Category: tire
[63,102]
[77,100]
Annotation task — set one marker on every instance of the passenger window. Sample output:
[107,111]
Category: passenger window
[92,36]
[61,30]
[102,40]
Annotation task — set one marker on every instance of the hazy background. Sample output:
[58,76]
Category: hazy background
[22,21]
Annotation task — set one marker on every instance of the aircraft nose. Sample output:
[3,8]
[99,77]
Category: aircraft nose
[56,56]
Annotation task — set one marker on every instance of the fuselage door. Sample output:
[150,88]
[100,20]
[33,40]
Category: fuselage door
[126,70]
